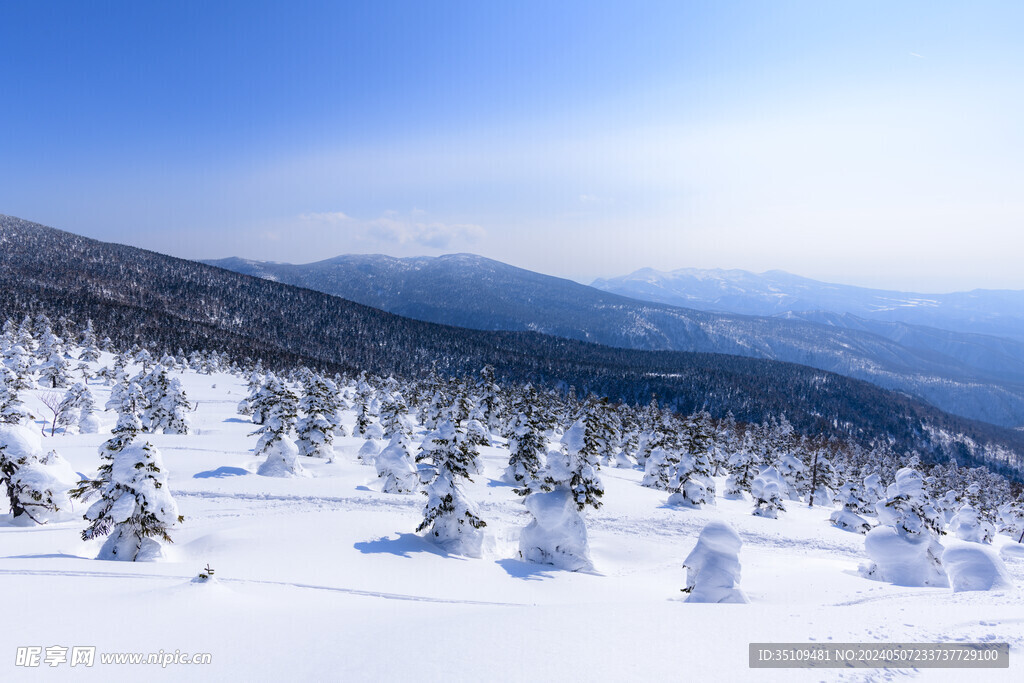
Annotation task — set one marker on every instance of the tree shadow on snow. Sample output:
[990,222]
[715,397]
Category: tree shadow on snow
[220,473]
[236,419]
[403,546]
[528,571]
[498,483]
[47,556]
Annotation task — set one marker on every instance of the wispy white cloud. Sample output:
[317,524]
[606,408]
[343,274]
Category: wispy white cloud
[434,234]
[914,54]
[393,228]
[325,217]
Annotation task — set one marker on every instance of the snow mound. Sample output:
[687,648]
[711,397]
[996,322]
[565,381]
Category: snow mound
[1012,551]
[368,452]
[974,567]
[713,566]
[282,460]
[397,469]
[557,535]
[849,521]
[902,559]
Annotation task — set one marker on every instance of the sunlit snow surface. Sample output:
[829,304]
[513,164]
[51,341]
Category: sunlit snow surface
[322,578]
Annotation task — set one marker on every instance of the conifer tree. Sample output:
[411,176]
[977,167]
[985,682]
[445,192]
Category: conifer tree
[37,486]
[134,507]
[526,444]
[396,467]
[451,517]
[767,490]
[90,352]
[316,428]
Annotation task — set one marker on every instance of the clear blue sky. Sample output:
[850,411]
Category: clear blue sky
[874,143]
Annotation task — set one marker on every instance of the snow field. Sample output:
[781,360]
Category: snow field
[322,578]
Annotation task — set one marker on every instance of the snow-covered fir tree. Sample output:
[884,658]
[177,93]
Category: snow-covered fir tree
[79,409]
[90,351]
[55,370]
[135,508]
[968,525]
[690,480]
[393,416]
[452,518]
[568,484]
[319,407]
[743,467]
[165,405]
[526,445]
[12,410]
[279,410]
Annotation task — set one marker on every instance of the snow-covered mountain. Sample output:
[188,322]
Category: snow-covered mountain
[141,297]
[993,312]
[974,375]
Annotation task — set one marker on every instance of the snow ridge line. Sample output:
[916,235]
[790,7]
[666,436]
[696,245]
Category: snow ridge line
[337,589]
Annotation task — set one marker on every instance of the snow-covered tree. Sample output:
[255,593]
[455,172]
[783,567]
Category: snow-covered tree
[567,485]
[79,408]
[316,428]
[968,525]
[395,466]
[54,371]
[851,497]
[767,490]
[526,444]
[905,547]
[1011,519]
[690,480]
[165,405]
[279,410]
[713,566]
[90,352]
[37,485]
[12,410]
[794,473]
[134,507]
[451,517]
[742,469]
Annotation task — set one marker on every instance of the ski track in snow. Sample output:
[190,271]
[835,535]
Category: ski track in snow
[336,589]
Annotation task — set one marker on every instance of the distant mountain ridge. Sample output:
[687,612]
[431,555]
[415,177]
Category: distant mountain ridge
[775,292]
[972,375]
[138,296]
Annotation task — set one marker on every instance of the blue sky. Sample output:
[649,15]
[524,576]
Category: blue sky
[873,143]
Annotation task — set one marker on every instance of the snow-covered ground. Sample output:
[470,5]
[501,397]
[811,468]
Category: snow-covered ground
[323,578]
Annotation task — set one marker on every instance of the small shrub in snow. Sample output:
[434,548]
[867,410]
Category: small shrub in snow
[557,535]
[282,459]
[713,566]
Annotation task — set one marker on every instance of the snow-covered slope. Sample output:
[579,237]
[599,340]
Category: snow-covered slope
[966,374]
[322,578]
